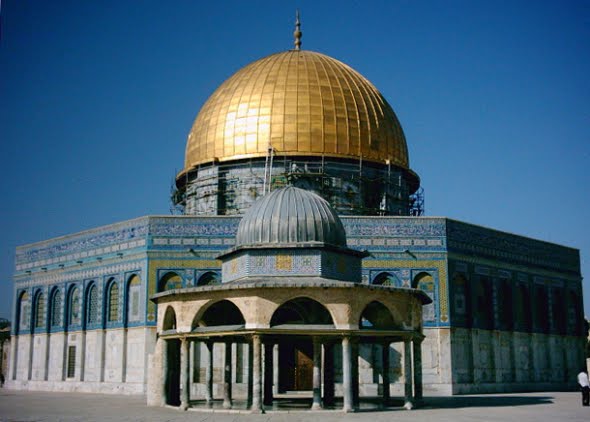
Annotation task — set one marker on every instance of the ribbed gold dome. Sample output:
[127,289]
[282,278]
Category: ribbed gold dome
[301,103]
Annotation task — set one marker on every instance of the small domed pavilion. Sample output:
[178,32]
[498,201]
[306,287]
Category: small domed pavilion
[291,290]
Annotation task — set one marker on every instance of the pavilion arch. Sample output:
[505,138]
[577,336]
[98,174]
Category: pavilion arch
[209,278]
[169,321]
[170,281]
[219,313]
[386,279]
[301,310]
[378,317]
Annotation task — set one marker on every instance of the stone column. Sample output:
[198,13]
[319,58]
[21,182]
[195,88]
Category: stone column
[163,345]
[417,343]
[346,375]
[250,374]
[354,343]
[184,376]
[209,373]
[268,374]
[317,374]
[275,369]
[256,375]
[408,375]
[385,364]
[328,374]
[227,376]
[13,356]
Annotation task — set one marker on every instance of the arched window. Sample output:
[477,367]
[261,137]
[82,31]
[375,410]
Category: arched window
[522,308]
[483,305]
[170,281]
[39,310]
[56,308]
[541,309]
[74,305]
[24,308]
[425,282]
[113,303]
[386,279]
[92,305]
[207,279]
[133,295]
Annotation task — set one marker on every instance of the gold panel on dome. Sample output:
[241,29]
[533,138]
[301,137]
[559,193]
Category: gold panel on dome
[302,103]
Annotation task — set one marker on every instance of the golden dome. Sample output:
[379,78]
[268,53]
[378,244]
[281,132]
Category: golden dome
[301,103]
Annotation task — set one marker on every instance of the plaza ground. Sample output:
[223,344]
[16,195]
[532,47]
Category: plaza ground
[21,406]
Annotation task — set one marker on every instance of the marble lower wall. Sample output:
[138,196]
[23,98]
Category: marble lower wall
[101,361]
[485,361]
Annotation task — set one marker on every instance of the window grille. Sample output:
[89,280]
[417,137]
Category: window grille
[71,362]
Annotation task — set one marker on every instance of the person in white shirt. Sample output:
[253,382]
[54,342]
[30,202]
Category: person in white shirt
[585,386]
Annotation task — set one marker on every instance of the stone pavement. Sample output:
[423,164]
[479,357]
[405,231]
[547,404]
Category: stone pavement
[20,406]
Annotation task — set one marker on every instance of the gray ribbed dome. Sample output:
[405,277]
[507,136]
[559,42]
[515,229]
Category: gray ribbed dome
[290,216]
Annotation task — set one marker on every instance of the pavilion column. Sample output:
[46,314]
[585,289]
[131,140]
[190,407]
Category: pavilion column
[227,399]
[275,369]
[209,372]
[346,375]
[268,373]
[385,364]
[328,374]
[354,358]
[417,344]
[250,375]
[408,375]
[317,374]
[184,376]
[256,374]
[163,348]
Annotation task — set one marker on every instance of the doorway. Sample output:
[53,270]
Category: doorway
[296,366]
[173,375]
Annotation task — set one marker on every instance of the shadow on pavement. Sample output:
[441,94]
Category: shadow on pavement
[483,401]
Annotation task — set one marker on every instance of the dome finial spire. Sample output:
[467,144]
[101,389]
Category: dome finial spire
[297,34]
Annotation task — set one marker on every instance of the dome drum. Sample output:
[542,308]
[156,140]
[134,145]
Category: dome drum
[353,187]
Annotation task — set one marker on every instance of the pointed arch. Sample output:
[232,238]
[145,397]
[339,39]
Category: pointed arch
[56,310]
[209,278]
[24,311]
[386,279]
[112,308]
[170,281]
[221,313]
[132,303]
[39,310]
[377,316]
[92,304]
[301,310]
[74,306]
[169,322]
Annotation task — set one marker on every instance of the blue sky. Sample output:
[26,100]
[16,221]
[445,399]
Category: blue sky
[97,98]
